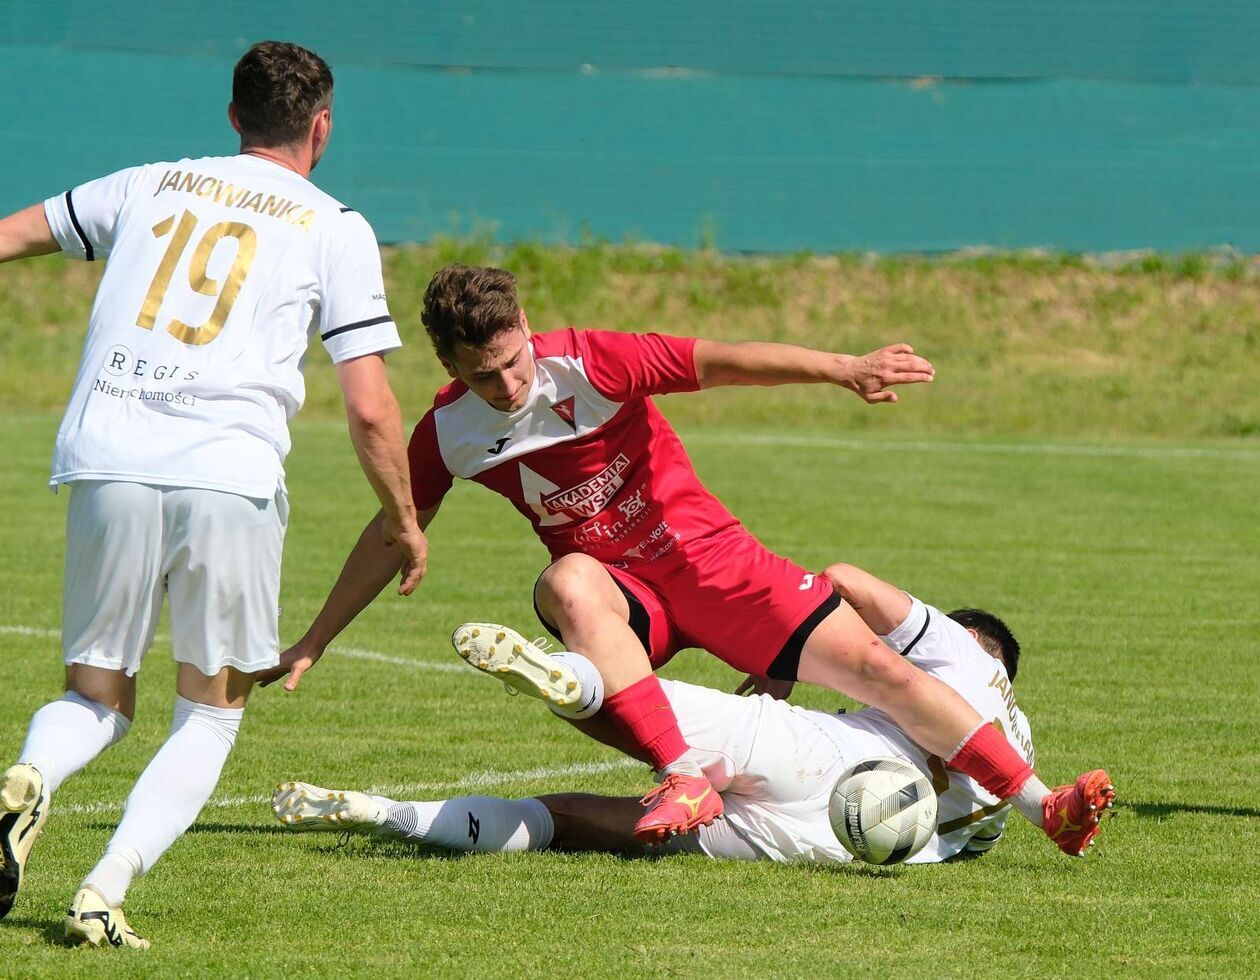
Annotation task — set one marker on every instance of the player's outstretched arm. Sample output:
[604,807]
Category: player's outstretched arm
[881,605]
[26,233]
[755,363]
[376,431]
[370,566]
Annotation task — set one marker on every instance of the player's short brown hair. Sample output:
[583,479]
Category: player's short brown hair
[277,87]
[469,305]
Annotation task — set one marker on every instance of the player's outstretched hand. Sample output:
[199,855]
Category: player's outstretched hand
[871,375]
[759,684]
[294,662]
[415,548]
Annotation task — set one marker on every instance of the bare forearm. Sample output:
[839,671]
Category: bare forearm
[758,363]
[26,233]
[378,441]
[881,605]
[755,363]
[371,565]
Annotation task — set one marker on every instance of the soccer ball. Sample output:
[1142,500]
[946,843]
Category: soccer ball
[883,811]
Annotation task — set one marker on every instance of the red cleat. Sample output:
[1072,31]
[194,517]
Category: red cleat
[678,806]
[1072,815]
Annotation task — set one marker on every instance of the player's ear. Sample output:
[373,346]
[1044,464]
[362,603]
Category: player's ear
[321,131]
[234,117]
[975,635]
[525,323]
[321,126]
[450,368]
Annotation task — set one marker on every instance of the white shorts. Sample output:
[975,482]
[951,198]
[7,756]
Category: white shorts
[216,554]
[775,768]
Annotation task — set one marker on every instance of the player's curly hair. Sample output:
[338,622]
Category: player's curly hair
[469,305]
[277,87]
[995,636]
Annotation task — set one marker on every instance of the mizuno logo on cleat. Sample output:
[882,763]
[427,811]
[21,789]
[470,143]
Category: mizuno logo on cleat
[1065,826]
[474,827]
[694,804]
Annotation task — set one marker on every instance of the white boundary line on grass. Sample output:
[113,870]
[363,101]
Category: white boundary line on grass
[355,653]
[923,445]
[475,780]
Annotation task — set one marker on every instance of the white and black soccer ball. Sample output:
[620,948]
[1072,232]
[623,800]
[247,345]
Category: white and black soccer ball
[883,811]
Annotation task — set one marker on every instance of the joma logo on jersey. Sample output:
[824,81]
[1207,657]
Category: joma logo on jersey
[589,498]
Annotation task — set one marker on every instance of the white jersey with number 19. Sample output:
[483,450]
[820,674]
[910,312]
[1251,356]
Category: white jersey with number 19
[220,272]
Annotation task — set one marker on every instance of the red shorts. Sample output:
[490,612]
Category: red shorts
[729,595]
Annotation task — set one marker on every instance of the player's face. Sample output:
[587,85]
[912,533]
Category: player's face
[502,372]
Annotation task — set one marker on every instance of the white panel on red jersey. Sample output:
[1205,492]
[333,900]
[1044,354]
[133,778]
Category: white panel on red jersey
[563,405]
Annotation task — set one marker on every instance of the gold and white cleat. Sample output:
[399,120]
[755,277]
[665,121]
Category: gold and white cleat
[94,921]
[23,809]
[303,806]
[522,666]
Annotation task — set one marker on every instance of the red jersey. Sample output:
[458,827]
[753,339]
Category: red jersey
[588,459]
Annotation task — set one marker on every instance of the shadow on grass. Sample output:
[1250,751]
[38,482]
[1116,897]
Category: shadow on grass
[1157,810]
[54,932]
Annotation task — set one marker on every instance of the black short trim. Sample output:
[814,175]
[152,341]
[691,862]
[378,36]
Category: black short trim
[787,664]
[78,229]
[927,618]
[348,211]
[356,326]
[640,621]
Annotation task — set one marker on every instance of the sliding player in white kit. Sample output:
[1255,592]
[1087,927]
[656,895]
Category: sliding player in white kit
[221,271]
[774,764]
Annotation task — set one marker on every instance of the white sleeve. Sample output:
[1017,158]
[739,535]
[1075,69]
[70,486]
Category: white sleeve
[84,219]
[354,317]
[909,634]
[931,640]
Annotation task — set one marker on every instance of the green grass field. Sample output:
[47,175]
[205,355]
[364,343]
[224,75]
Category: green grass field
[1129,573]
[1085,465]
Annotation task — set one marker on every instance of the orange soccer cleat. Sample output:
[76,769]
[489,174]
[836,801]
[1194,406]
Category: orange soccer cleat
[678,806]
[1072,815]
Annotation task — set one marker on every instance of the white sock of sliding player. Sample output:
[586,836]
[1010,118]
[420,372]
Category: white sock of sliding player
[473,823]
[1028,800]
[590,681]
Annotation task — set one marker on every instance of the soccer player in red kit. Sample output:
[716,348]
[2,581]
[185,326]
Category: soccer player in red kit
[645,560]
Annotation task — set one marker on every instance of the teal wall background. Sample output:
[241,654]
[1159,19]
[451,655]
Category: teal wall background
[814,124]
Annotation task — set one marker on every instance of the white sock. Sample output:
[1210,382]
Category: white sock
[591,682]
[65,735]
[1028,800]
[474,823]
[687,764]
[168,795]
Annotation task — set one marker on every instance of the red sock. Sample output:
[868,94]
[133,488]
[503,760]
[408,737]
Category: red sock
[643,712]
[988,758]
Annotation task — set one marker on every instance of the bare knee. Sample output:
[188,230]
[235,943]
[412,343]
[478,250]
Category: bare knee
[880,665]
[112,688]
[229,688]
[573,585]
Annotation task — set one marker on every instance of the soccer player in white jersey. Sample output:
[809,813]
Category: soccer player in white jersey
[646,561]
[774,764]
[220,272]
